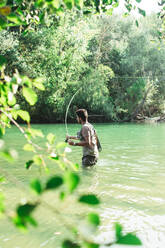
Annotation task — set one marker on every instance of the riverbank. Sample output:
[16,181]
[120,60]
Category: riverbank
[146,119]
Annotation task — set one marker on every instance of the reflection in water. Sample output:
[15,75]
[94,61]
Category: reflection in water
[129,180]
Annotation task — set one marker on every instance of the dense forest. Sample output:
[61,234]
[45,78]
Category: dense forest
[116,65]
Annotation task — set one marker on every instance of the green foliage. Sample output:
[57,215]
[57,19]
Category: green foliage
[28,164]
[29,95]
[112,65]
[51,138]
[8,154]
[29,147]
[69,244]
[36,186]
[2,61]
[23,216]
[25,210]
[2,205]
[118,229]
[23,114]
[72,180]
[128,239]
[54,182]
[94,219]
[91,245]
[142,12]
[89,199]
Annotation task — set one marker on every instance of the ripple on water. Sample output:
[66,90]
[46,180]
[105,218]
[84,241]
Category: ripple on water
[150,229]
[129,179]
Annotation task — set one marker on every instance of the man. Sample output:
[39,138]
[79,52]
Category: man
[88,139]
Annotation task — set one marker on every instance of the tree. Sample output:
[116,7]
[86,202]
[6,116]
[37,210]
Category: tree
[22,16]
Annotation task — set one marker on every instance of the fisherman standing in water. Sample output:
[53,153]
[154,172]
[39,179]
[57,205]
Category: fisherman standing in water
[88,139]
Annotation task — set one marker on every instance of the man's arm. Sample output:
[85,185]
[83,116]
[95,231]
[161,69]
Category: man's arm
[71,137]
[81,143]
[85,142]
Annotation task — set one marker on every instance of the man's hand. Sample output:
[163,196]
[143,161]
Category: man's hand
[71,143]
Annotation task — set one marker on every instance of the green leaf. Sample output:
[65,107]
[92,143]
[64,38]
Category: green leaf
[11,99]
[36,186]
[142,12]
[137,24]
[118,229]
[62,195]
[72,180]
[35,132]
[4,118]
[23,216]
[68,3]
[24,115]
[2,61]
[28,164]
[26,209]
[29,95]
[109,11]
[51,138]
[89,199]
[69,244]
[19,223]
[79,3]
[42,17]
[115,5]
[2,205]
[29,148]
[54,157]
[15,19]
[129,239]
[37,159]
[31,220]
[94,219]
[2,132]
[56,4]
[7,156]
[2,179]
[38,84]
[76,166]
[3,23]
[129,7]
[138,1]
[14,113]
[3,3]
[26,81]
[54,182]
[39,3]
[91,245]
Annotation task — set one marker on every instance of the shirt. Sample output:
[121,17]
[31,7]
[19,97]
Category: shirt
[88,130]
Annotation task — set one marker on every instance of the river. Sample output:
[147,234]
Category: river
[129,179]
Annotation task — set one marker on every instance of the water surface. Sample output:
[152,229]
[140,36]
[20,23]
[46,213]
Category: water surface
[129,179]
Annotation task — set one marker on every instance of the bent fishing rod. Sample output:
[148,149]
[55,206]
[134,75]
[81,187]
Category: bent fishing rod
[66,114]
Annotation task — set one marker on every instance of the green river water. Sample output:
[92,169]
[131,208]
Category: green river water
[129,179]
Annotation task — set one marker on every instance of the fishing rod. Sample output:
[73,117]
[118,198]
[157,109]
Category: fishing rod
[66,127]
[66,114]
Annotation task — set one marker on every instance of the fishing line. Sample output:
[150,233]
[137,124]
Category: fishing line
[66,114]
